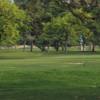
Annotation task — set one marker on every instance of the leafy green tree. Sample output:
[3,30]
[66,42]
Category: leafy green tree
[41,11]
[61,29]
[88,12]
[11,19]
[35,11]
[44,11]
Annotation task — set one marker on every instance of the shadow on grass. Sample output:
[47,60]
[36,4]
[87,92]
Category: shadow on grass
[51,94]
[72,53]
[29,55]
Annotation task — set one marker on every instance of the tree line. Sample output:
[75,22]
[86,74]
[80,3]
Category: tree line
[50,23]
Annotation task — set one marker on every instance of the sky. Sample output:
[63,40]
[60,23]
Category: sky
[12,1]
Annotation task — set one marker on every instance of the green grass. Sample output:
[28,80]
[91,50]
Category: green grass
[40,76]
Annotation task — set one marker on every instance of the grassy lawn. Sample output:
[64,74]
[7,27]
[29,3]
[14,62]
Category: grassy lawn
[38,76]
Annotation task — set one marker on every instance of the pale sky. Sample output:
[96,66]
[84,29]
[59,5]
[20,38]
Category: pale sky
[12,1]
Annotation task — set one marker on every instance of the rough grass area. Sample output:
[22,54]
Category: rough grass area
[40,76]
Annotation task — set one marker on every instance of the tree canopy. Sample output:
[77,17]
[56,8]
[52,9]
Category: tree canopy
[11,19]
[53,22]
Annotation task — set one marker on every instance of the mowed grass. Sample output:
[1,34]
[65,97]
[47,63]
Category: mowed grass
[40,76]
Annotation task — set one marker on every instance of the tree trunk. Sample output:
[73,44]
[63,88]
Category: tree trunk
[56,46]
[62,47]
[66,47]
[93,47]
[43,48]
[57,49]
[82,47]
[15,47]
[48,47]
[24,46]
[31,46]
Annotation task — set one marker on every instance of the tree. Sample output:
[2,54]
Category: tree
[62,28]
[44,11]
[11,19]
[41,11]
[88,12]
[35,11]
